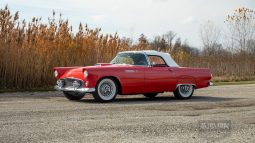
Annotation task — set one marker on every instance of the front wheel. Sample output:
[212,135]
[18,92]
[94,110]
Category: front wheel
[73,95]
[106,90]
[184,91]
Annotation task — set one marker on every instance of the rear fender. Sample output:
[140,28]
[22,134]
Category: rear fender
[186,80]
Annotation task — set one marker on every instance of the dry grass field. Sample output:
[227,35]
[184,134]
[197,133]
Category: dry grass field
[30,49]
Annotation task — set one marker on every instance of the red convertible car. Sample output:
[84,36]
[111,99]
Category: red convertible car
[132,72]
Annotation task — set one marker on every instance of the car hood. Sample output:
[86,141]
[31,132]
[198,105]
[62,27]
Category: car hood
[77,72]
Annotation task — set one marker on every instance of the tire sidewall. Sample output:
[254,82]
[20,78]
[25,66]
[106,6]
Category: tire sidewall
[99,97]
[179,95]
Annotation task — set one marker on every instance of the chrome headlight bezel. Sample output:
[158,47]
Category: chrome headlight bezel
[56,73]
[85,73]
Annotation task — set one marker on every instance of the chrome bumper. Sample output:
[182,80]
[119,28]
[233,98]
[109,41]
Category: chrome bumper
[210,84]
[83,90]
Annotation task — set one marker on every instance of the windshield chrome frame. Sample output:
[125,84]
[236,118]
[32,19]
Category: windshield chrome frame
[146,56]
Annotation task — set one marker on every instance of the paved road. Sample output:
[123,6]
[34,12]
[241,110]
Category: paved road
[221,114]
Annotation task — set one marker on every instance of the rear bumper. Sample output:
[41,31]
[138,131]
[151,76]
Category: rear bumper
[83,90]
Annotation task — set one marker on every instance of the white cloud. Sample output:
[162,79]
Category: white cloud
[133,17]
[188,20]
[98,18]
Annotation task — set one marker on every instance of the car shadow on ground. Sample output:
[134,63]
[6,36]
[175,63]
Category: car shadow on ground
[159,99]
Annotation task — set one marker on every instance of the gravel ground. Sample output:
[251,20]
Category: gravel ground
[214,114]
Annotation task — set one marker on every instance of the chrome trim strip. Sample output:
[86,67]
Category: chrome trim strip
[147,58]
[130,71]
[84,90]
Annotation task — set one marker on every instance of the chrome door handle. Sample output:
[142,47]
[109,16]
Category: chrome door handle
[130,71]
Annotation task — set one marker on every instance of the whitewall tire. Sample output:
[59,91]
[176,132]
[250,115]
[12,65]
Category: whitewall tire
[184,91]
[106,90]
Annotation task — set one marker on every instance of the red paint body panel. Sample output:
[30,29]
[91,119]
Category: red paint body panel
[160,79]
[139,79]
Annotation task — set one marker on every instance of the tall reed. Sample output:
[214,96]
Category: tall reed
[30,50]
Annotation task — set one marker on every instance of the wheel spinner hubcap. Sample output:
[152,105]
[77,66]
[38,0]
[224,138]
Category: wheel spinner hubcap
[106,89]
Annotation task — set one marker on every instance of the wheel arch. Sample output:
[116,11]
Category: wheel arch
[186,81]
[193,84]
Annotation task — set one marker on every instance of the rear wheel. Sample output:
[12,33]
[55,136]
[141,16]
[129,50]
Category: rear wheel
[150,95]
[106,90]
[73,95]
[184,91]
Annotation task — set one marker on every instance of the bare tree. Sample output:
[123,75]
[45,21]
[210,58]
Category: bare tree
[251,46]
[177,44]
[210,35]
[143,42]
[159,43]
[241,26]
[169,37]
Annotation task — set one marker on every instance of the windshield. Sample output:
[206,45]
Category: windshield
[130,58]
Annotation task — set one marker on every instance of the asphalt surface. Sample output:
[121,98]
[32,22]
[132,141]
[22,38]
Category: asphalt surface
[214,114]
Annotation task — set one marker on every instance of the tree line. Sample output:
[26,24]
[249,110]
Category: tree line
[30,49]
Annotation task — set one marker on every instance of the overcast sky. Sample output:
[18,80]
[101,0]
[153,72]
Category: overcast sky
[130,18]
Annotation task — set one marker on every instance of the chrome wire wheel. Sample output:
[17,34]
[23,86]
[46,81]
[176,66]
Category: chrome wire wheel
[106,90]
[185,90]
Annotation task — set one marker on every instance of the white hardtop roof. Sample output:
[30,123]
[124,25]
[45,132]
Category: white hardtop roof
[166,56]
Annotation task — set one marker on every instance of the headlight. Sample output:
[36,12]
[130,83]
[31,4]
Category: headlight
[56,73]
[85,73]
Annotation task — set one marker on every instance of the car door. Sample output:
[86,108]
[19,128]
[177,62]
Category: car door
[132,80]
[159,77]
[132,75]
